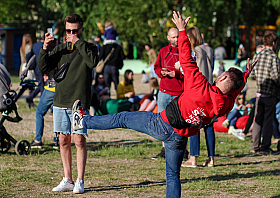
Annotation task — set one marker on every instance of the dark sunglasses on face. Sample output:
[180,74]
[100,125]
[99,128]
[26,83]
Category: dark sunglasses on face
[74,31]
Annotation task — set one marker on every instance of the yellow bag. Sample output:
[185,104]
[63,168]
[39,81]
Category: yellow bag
[100,66]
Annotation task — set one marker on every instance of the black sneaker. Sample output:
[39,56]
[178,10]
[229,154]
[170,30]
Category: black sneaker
[161,154]
[269,152]
[278,146]
[36,145]
[55,145]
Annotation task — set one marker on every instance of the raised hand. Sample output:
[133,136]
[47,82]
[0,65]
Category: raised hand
[48,39]
[179,22]
[250,66]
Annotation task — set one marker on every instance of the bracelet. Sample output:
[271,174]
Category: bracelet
[248,71]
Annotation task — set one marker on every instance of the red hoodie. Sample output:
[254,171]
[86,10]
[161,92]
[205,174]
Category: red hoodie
[167,58]
[200,101]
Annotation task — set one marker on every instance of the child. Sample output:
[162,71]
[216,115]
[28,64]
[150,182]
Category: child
[200,104]
[152,99]
[110,33]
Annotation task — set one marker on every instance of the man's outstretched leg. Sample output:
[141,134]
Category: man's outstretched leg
[146,122]
[142,121]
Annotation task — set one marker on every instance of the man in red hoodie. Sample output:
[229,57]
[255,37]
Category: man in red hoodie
[196,107]
[172,80]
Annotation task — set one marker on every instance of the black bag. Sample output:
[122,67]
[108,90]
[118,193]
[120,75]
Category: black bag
[62,70]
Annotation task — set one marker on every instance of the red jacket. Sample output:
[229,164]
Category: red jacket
[167,58]
[200,101]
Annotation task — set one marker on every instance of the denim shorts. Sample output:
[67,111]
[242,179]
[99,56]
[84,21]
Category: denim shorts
[62,121]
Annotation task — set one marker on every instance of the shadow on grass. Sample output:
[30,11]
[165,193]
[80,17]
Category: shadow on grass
[93,146]
[183,181]
[126,186]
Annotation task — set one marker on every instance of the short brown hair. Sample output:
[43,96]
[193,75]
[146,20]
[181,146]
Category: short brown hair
[269,37]
[154,83]
[74,18]
[236,79]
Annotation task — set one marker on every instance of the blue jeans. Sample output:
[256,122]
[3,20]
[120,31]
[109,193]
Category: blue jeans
[233,117]
[45,103]
[151,124]
[210,142]
[163,100]
[276,133]
[152,72]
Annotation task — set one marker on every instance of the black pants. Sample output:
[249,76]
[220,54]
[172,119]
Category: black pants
[265,113]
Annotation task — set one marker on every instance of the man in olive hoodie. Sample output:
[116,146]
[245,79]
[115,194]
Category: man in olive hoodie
[76,85]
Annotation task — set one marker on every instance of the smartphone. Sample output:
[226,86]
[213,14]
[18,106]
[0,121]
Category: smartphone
[50,31]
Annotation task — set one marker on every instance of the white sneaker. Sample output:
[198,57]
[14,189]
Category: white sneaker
[225,123]
[78,113]
[79,186]
[65,185]
[230,129]
[238,133]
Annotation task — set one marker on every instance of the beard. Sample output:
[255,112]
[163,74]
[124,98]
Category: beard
[174,44]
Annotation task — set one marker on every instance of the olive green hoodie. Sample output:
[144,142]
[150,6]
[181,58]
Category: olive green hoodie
[77,83]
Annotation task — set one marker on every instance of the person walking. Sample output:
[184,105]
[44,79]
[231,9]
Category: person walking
[172,80]
[267,81]
[220,52]
[204,56]
[75,85]
[152,59]
[115,62]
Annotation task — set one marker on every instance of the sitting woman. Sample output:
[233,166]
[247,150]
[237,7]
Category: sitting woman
[152,99]
[239,109]
[100,92]
[126,90]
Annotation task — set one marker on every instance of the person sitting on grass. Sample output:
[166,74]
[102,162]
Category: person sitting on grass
[199,105]
[239,109]
[152,99]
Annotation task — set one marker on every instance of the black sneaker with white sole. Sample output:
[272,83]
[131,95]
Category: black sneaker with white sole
[55,145]
[34,144]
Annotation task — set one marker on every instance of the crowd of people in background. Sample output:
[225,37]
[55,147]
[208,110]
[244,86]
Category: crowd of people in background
[166,79]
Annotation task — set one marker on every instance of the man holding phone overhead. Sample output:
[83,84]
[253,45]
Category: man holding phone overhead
[172,80]
[81,57]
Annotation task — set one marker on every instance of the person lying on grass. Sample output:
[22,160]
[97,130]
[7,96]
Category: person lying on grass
[197,106]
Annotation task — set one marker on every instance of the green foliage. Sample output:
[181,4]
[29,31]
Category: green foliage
[141,21]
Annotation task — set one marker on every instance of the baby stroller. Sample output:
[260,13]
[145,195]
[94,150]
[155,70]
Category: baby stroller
[8,100]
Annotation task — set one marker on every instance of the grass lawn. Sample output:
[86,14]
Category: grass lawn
[119,165]
[121,169]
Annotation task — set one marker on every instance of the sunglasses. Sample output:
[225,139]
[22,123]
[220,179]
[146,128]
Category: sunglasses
[240,98]
[74,31]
